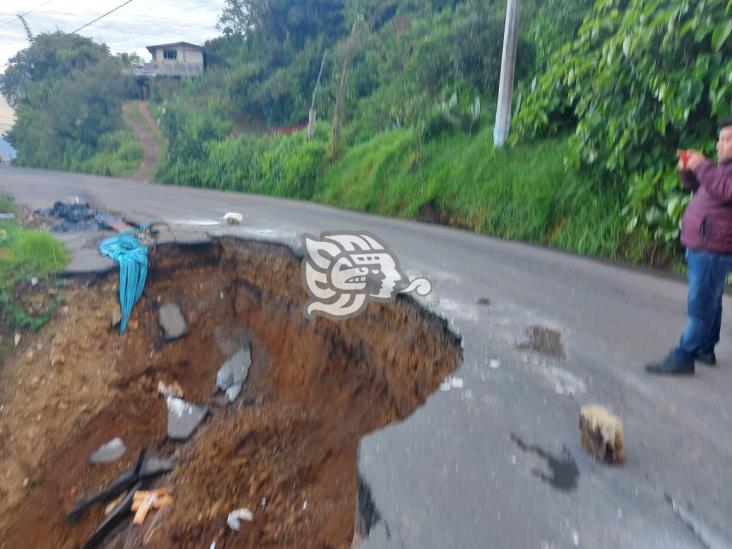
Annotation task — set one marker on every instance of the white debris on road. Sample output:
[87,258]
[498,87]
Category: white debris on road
[452,382]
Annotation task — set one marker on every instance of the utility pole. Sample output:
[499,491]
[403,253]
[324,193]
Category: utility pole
[508,69]
[311,114]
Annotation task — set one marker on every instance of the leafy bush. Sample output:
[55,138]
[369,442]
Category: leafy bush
[117,153]
[641,79]
[418,58]
[276,165]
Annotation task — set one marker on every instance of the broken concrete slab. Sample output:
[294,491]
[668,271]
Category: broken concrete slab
[109,452]
[231,376]
[85,257]
[601,433]
[183,418]
[172,321]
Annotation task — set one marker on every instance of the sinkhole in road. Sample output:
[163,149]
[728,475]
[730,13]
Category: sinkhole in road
[286,448]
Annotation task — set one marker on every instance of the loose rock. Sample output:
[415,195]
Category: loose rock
[172,321]
[601,433]
[109,452]
[231,376]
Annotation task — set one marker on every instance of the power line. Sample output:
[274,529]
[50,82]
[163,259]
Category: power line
[101,17]
[24,14]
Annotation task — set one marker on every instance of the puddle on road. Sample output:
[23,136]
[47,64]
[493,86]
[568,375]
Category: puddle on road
[545,341]
[564,472]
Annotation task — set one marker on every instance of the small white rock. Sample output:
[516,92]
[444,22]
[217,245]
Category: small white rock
[34,281]
[457,382]
[575,538]
[242,513]
[495,364]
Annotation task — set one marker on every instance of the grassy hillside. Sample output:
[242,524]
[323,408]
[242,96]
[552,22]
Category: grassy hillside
[524,193]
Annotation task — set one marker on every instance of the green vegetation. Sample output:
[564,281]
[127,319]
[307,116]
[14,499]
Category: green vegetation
[25,254]
[641,80]
[523,193]
[67,92]
[607,90]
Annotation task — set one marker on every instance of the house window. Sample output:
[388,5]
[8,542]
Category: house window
[170,54]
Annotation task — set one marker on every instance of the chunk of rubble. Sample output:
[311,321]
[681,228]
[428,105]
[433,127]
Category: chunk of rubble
[183,418]
[109,452]
[601,433]
[172,321]
[231,376]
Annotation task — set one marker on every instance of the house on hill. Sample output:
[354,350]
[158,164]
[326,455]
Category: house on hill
[177,59]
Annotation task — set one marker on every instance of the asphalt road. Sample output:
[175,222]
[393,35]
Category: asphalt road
[490,464]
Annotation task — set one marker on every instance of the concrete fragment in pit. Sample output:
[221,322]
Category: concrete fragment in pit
[109,452]
[172,321]
[601,433]
[183,418]
[231,376]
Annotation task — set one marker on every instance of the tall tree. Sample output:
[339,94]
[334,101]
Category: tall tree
[284,20]
[67,93]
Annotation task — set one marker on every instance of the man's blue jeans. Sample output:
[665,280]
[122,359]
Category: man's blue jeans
[707,273]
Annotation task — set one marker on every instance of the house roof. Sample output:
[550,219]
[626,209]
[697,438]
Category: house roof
[152,49]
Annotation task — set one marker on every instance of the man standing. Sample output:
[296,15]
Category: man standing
[706,234]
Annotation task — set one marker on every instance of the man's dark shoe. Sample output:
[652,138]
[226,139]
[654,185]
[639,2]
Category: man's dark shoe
[708,359]
[669,365]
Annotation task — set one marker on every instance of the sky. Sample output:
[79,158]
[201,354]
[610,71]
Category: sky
[138,24]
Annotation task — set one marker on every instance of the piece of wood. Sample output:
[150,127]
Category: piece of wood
[144,501]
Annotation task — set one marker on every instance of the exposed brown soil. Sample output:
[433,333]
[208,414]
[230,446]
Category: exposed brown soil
[315,387]
[147,134]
